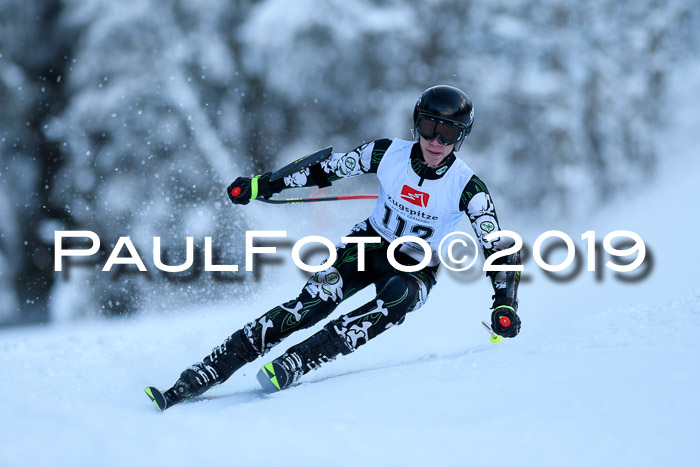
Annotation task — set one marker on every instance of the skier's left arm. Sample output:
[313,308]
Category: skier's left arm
[477,204]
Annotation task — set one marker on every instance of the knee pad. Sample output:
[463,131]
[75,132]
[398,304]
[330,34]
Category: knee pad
[404,290]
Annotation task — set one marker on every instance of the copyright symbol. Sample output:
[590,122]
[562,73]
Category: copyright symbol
[459,239]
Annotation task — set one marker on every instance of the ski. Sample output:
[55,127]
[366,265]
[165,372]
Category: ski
[272,377]
[162,400]
[156,397]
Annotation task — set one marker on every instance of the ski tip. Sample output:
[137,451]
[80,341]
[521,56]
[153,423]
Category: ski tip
[157,398]
[268,379]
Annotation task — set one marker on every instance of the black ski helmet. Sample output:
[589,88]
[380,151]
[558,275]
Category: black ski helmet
[448,104]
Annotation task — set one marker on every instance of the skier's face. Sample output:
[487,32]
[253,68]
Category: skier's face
[434,152]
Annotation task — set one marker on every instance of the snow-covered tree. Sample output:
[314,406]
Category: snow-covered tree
[148,133]
[129,118]
[26,79]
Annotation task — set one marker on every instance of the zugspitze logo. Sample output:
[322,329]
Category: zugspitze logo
[414,196]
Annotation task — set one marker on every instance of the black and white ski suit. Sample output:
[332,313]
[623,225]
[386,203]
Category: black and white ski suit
[414,200]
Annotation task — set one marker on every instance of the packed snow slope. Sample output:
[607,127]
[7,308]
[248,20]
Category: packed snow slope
[604,372]
[611,387]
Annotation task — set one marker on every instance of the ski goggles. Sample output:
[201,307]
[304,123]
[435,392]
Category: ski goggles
[430,128]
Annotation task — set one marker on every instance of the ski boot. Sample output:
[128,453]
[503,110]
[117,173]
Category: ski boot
[216,368]
[284,371]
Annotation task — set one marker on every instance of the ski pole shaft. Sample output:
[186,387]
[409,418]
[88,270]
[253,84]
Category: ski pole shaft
[495,338]
[316,200]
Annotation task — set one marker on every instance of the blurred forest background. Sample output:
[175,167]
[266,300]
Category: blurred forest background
[129,118]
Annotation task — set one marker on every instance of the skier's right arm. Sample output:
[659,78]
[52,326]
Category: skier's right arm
[361,160]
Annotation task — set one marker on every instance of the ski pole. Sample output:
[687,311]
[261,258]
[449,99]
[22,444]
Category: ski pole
[297,165]
[237,191]
[292,167]
[495,338]
[316,200]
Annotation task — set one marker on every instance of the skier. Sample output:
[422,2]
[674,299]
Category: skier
[425,191]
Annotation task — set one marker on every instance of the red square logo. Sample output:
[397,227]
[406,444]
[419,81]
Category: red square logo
[414,196]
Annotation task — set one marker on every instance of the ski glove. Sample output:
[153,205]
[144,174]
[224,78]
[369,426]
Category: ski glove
[243,190]
[504,318]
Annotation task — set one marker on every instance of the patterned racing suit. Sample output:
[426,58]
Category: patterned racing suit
[406,210]
[415,200]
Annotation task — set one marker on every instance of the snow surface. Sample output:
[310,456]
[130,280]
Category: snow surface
[603,373]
